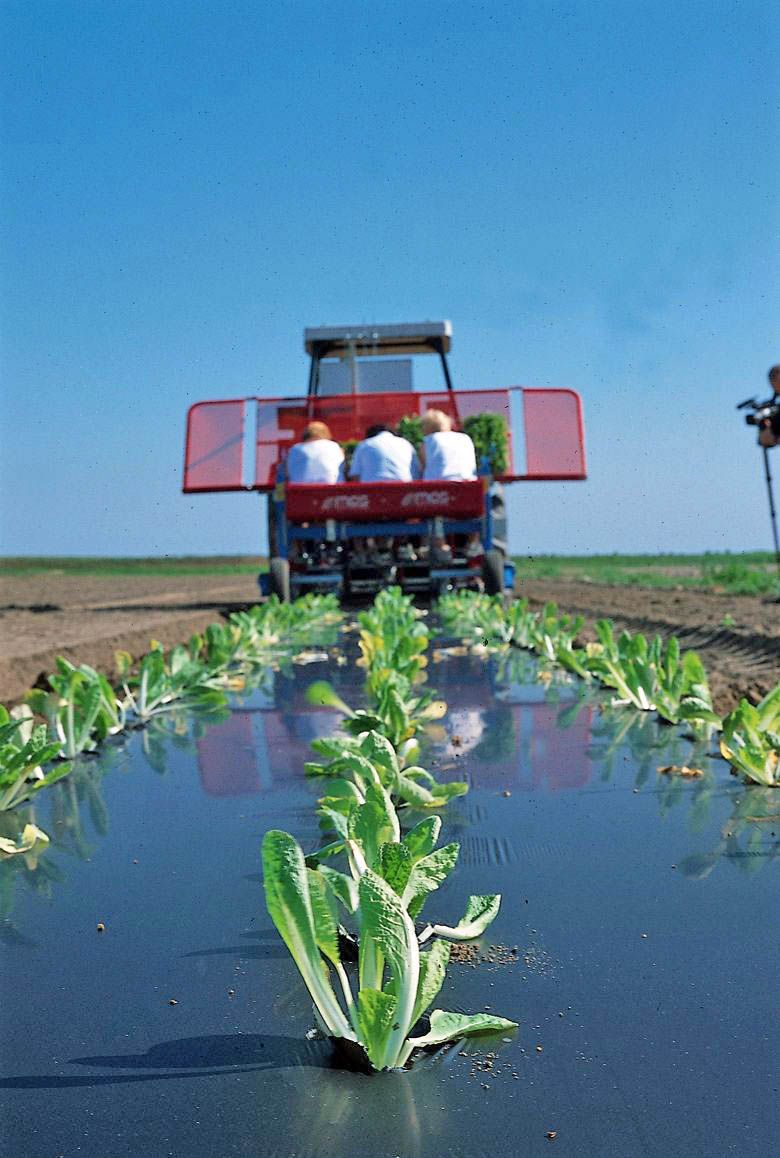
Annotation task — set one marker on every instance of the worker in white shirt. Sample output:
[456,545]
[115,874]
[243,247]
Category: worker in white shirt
[318,459]
[445,453]
[383,457]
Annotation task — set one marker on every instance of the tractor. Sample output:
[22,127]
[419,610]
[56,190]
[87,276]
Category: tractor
[355,538]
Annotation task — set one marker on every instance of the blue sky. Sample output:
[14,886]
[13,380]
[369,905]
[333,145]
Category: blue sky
[588,190]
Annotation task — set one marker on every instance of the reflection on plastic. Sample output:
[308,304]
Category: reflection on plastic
[524,746]
[256,749]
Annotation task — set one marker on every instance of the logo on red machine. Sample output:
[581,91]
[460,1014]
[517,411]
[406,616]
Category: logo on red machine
[345,503]
[425,499]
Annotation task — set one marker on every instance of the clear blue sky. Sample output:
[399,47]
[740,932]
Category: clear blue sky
[589,190]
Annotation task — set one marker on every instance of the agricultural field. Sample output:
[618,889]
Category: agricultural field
[395,882]
[724,606]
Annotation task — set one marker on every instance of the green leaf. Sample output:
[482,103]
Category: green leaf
[451,1026]
[342,795]
[378,749]
[333,748]
[394,864]
[368,824]
[337,821]
[421,840]
[326,925]
[443,793]
[413,793]
[343,886]
[286,883]
[386,927]
[433,966]
[480,912]
[376,1011]
[362,722]
[427,874]
[323,694]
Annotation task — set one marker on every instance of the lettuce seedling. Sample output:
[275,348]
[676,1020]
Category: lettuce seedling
[397,982]
[751,739]
[24,747]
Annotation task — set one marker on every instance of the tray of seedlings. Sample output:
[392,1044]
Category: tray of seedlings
[413,884]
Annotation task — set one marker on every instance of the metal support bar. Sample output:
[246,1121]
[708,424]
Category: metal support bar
[772,512]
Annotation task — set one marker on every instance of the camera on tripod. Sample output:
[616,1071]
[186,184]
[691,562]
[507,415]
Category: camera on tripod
[762,411]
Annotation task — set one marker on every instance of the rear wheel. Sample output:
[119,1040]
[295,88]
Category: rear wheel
[493,572]
[279,575]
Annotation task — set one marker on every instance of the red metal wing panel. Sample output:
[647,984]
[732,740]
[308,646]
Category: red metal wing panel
[213,456]
[554,444]
[364,502]
[544,431]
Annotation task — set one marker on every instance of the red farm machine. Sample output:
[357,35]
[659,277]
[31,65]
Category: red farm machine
[355,538]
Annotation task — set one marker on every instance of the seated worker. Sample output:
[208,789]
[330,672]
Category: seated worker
[445,453]
[383,457]
[318,459]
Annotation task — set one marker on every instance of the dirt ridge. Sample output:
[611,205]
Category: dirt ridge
[87,618]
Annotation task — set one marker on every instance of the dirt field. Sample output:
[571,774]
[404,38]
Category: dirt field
[87,618]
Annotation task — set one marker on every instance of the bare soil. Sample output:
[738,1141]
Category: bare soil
[88,618]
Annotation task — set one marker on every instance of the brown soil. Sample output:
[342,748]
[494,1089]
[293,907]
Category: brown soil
[87,619]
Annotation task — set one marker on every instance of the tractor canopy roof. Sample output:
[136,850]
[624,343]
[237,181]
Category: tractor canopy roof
[367,340]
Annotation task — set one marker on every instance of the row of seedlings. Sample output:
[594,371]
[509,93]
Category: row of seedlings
[82,708]
[647,675]
[350,913]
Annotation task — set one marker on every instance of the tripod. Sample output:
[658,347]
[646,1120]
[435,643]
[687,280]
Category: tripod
[772,512]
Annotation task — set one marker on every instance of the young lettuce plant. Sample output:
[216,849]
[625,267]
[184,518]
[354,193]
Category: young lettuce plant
[371,757]
[396,981]
[81,710]
[412,865]
[682,690]
[162,686]
[626,665]
[24,747]
[399,719]
[751,739]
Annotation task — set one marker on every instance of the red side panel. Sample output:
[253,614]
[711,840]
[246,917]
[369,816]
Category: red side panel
[364,502]
[213,456]
[554,445]
[544,431]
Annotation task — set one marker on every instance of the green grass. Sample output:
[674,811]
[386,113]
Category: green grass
[161,565]
[746,573]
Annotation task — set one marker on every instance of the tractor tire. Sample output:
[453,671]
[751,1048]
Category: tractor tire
[498,509]
[272,547]
[493,572]
[279,576]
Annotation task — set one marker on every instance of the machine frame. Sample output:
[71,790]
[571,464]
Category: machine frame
[355,538]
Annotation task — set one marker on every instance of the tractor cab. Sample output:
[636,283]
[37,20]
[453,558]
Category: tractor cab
[426,535]
[374,359]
